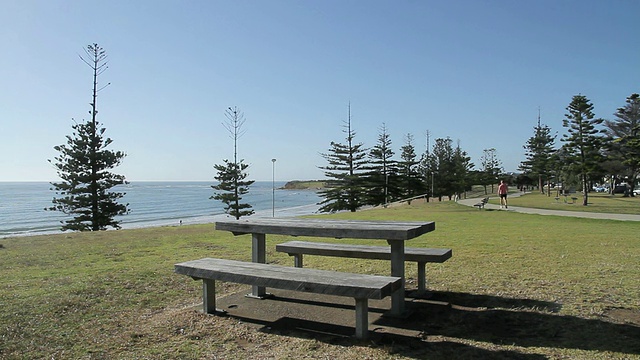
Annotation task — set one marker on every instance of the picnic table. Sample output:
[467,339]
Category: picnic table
[394,232]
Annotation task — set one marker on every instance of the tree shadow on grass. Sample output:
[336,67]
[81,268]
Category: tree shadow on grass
[519,322]
[393,343]
[331,320]
[433,322]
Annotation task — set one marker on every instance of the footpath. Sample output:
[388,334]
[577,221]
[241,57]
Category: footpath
[580,214]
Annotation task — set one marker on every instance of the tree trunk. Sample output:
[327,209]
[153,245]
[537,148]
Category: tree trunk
[585,191]
[540,184]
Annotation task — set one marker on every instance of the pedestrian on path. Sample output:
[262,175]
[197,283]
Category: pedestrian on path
[503,189]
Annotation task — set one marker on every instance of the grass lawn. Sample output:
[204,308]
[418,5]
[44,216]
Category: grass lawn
[522,286]
[597,202]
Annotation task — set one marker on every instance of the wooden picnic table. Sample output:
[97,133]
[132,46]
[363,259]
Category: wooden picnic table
[394,232]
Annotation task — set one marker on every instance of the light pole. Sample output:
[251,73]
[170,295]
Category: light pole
[432,191]
[386,189]
[273,187]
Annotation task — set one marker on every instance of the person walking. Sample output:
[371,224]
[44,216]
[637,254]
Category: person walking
[503,189]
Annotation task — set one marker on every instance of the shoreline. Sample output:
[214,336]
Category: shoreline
[293,211]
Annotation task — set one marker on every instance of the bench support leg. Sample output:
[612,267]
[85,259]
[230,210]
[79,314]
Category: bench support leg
[422,277]
[397,269]
[297,260]
[258,255]
[362,318]
[209,297]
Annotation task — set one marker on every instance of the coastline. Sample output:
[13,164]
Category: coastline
[151,204]
[293,211]
[210,219]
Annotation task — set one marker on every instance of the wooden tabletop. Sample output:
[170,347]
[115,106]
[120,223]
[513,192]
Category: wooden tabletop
[357,229]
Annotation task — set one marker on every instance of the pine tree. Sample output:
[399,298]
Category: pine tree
[345,190]
[539,154]
[491,168]
[83,165]
[427,168]
[381,178]
[462,168]
[232,174]
[411,180]
[583,140]
[625,132]
[443,167]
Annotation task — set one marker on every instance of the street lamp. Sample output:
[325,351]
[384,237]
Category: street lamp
[273,187]
[432,191]
[386,189]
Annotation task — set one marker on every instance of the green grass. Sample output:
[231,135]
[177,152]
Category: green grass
[525,286]
[597,202]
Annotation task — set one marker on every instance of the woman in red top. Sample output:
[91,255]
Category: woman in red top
[503,189]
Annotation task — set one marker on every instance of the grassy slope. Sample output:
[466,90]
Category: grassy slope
[114,295]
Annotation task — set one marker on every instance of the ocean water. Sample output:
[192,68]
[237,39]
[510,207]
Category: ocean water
[22,205]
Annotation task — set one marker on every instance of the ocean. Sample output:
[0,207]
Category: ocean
[22,205]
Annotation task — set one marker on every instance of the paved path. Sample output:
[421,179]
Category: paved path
[581,214]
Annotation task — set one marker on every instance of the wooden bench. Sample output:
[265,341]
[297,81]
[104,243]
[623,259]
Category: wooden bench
[361,287]
[421,255]
[482,203]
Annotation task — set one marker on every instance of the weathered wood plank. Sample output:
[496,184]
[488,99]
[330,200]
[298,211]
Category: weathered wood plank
[363,251]
[420,255]
[290,278]
[389,230]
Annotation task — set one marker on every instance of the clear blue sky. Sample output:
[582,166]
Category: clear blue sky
[475,71]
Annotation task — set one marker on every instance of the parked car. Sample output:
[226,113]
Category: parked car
[620,189]
[600,189]
[636,192]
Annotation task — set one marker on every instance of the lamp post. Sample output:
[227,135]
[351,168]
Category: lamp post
[432,191]
[273,187]
[386,189]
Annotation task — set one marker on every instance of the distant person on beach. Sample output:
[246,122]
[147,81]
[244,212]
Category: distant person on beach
[503,189]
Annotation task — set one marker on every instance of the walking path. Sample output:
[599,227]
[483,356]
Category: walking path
[581,214]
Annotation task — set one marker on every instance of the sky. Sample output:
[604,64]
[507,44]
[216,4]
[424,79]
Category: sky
[476,71]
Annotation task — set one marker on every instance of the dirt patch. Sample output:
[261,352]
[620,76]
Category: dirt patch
[623,316]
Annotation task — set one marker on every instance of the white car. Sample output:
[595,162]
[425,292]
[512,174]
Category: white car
[636,192]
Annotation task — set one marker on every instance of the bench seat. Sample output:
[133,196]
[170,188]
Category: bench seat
[361,287]
[420,255]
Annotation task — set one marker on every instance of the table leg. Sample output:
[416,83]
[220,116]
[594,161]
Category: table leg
[209,297]
[422,277]
[397,269]
[258,255]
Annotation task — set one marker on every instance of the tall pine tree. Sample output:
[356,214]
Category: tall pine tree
[231,176]
[583,140]
[346,164]
[411,180]
[84,166]
[539,154]
[428,168]
[381,178]
[625,132]
[491,168]
[462,167]
[443,167]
